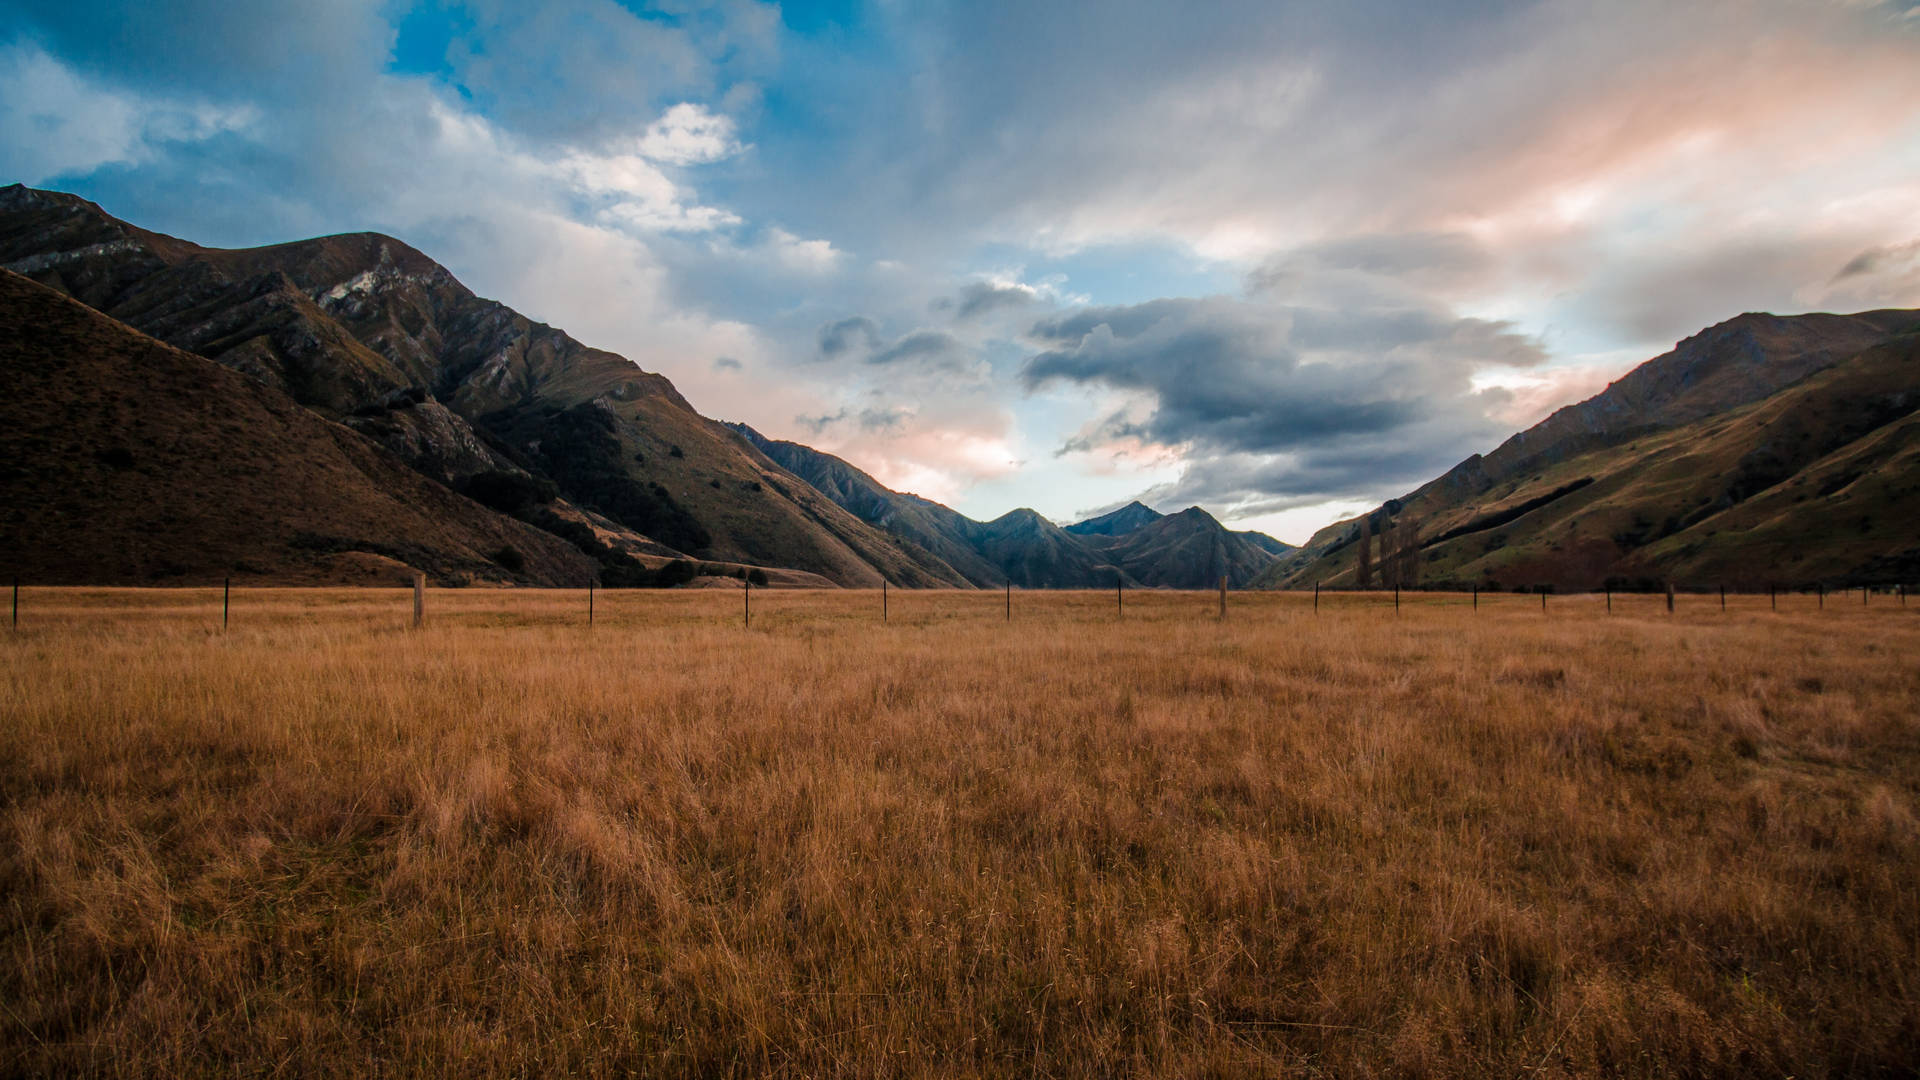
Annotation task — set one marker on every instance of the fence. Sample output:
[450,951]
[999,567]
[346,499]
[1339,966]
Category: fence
[1385,601]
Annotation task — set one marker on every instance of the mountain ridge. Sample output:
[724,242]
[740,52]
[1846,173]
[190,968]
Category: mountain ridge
[362,328]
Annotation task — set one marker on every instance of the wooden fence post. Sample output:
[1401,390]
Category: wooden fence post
[1773,602]
[419,599]
[1119,600]
[1316,598]
[1396,599]
[1223,597]
[226,602]
[1723,598]
[1609,599]
[589,603]
[1822,588]
[1669,597]
[1863,596]
[883,599]
[1543,599]
[16,602]
[1009,599]
[746,603]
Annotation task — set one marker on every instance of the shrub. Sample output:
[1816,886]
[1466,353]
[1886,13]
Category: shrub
[510,559]
[677,572]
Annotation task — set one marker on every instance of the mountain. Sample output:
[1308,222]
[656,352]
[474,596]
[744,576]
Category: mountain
[1763,450]
[127,461]
[363,329]
[1116,523]
[1187,550]
[1265,543]
[945,533]
[1034,553]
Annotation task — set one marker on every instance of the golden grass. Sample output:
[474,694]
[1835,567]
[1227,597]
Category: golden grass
[1448,843]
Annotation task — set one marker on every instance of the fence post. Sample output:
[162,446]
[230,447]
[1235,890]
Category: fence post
[746,604]
[1609,600]
[1476,598]
[1773,602]
[589,603]
[1396,599]
[1863,596]
[1316,598]
[883,599]
[226,602]
[1543,599]
[1223,596]
[1822,587]
[1119,600]
[1669,597]
[419,599]
[16,602]
[1723,598]
[1009,599]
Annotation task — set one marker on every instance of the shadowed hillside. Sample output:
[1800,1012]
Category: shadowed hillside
[129,461]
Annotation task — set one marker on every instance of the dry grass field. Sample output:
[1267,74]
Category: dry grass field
[1444,843]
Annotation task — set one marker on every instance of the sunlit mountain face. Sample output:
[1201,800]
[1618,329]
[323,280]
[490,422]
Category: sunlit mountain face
[1282,261]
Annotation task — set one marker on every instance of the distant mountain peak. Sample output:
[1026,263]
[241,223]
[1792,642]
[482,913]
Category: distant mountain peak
[1119,522]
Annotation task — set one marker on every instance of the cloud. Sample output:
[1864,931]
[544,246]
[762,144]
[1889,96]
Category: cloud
[1882,258]
[58,124]
[857,332]
[927,349]
[982,297]
[687,134]
[1317,398]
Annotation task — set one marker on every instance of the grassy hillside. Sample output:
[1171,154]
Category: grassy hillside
[128,461]
[1807,481]
[1448,844]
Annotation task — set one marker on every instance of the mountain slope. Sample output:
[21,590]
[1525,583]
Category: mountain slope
[127,461]
[1187,550]
[353,326]
[1722,462]
[944,533]
[1034,553]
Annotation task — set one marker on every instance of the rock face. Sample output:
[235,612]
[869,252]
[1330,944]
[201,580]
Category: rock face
[127,461]
[364,329]
[1764,450]
[1188,550]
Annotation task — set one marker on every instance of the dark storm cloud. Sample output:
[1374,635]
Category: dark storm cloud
[1237,376]
[1269,402]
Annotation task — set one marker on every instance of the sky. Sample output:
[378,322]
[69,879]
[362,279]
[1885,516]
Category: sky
[1279,259]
